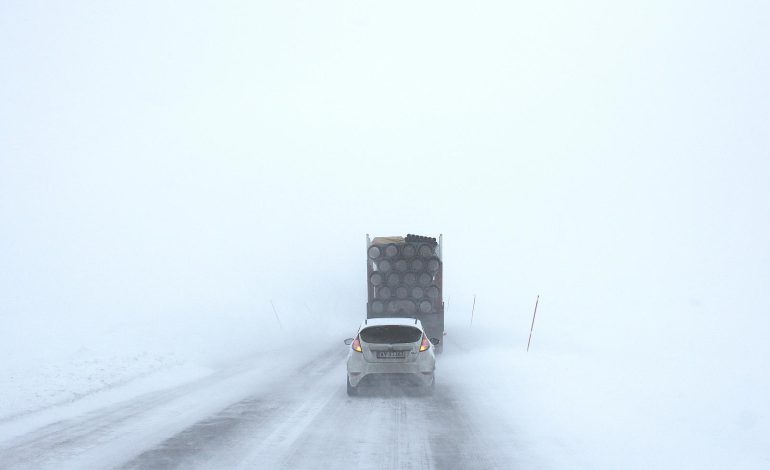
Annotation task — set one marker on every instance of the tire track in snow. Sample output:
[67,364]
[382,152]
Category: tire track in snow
[105,437]
[311,423]
[301,419]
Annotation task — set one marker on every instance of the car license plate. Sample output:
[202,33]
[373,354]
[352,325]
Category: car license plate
[391,354]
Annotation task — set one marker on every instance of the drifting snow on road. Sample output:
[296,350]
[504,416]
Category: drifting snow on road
[253,416]
[493,407]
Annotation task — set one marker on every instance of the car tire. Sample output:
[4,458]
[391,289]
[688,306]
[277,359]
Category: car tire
[429,390]
[352,391]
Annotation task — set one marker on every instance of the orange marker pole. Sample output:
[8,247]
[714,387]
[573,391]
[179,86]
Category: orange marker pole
[533,322]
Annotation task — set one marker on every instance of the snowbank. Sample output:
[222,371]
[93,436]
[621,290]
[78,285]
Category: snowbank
[56,362]
[687,405]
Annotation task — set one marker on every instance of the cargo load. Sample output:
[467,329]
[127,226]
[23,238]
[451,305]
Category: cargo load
[404,278]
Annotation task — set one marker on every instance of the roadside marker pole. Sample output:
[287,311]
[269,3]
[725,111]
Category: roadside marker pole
[276,314]
[473,309]
[533,322]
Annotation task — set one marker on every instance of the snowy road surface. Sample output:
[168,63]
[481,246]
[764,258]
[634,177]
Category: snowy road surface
[251,415]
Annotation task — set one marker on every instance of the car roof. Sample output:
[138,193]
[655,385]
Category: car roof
[391,321]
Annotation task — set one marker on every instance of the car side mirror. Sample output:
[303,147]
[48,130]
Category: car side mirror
[435,340]
[348,341]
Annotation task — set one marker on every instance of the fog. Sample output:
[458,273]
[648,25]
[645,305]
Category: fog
[168,171]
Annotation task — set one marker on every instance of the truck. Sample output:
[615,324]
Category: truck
[404,278]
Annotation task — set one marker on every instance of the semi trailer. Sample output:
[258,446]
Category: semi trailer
[404,278]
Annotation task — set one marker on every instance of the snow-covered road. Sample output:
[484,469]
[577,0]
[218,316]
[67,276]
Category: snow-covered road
[257,414]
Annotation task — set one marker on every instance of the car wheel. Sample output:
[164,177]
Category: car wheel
[430,389]
[352,391]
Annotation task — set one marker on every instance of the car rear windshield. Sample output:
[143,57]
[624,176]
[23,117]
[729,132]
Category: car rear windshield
[391,334]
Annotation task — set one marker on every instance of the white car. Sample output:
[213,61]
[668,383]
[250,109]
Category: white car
[391,350]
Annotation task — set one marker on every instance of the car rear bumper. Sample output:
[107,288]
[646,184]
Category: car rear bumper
[380,381]
[420,372]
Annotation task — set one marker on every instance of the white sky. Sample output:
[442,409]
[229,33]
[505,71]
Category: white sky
[162,157]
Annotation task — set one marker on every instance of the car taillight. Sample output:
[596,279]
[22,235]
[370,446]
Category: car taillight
[425,345]
[356,345]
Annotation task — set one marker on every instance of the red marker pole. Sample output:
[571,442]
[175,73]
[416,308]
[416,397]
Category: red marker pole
[533,322]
